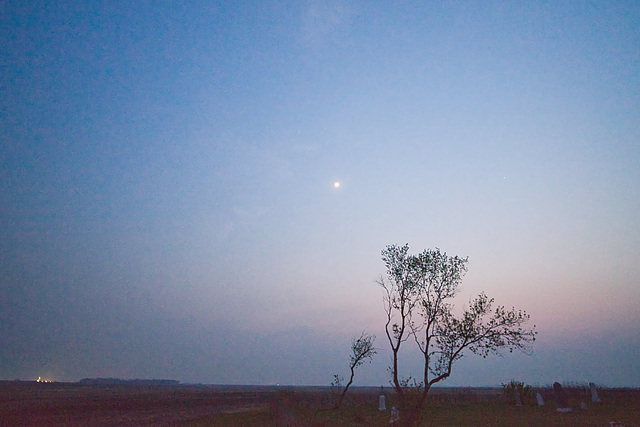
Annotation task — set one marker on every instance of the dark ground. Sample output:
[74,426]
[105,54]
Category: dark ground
[73,404]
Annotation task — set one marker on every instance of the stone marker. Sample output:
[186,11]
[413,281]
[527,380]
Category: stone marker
[539,399]
[516,392]
[395,415]
[561,398]
[594,393]
[382,405]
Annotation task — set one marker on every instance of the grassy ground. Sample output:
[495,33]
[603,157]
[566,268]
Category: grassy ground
[474,414]
[69,404]
[297,410]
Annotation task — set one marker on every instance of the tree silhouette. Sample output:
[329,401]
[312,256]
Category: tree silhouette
[417,298]
[362,350]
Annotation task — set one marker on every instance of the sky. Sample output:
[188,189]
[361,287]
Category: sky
[167,169]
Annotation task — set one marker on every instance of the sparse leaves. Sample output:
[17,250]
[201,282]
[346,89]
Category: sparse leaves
[362,350]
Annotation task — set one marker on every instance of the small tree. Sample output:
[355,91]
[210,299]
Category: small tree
[417,294]
[399,300]
[362,350]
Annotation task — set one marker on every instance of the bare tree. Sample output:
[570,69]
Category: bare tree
[418,292]
[362,350]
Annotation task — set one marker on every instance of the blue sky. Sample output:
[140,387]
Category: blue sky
[167,201]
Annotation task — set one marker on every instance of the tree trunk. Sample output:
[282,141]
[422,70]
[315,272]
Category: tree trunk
[345,389]
[396,382]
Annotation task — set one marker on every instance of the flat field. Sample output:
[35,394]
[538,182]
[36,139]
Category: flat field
[70,404]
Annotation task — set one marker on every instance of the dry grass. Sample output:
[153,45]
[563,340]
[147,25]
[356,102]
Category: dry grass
[463,408]
[73,404]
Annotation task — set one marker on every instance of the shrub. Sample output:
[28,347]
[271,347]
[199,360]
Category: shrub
[527,393]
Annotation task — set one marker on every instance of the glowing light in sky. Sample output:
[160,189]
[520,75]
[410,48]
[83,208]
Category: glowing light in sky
[336,184]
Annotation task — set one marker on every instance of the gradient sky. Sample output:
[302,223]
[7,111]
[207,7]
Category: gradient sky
[167,207]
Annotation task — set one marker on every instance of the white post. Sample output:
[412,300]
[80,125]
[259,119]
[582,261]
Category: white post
[594,393]
[382,405]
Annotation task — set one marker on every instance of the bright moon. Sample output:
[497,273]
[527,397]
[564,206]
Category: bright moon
[336,184]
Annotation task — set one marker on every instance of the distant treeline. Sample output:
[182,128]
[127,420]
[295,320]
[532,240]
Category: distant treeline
[117,381]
